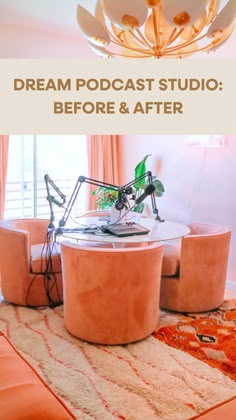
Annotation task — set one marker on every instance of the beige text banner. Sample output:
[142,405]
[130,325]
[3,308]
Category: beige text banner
[119,96]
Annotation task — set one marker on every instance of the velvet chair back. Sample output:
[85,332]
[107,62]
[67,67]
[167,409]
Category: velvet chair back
[23,263]
[111,296]
[200,284]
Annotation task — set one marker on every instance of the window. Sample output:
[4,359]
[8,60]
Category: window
[63,158]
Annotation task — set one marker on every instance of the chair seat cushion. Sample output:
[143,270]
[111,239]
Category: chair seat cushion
[171,260]
[23,394]
[45,258]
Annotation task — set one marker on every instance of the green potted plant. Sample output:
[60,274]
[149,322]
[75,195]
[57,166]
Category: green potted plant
[139,186]
[105,197]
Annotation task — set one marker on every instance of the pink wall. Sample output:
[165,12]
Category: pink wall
[200,183]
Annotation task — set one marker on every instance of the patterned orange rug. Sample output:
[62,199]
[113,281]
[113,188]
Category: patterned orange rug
[209,336]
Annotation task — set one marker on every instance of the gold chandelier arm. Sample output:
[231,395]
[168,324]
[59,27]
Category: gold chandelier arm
[113,35]
[175,34]
[129,56]
[156,28]
[169,41]
[180,53]
[141,41]
[185,44]
[116,38]
[148,52]
[173,38]
[144,40]
[197,30]
[212,10]
[187,52]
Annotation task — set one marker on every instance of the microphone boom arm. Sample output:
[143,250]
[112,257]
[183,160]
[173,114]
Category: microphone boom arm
[126,189]
[51,200]
[147,174]
[153,200]
[82,179]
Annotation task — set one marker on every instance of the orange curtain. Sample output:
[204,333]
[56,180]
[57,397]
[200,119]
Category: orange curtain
[104,160]
[4,143]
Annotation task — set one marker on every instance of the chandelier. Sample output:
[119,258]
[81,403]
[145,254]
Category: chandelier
[156,28]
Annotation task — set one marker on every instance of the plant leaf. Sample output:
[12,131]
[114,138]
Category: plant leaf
[140,171]
[159,187]
[97,191]
[139,208]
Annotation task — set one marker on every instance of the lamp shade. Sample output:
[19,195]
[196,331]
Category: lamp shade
[182,13]
[214,6]
[126,14]
[92,29]
[224,19]
[101,51]
[219,41]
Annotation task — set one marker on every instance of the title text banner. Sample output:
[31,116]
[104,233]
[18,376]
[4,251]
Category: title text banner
[118,96]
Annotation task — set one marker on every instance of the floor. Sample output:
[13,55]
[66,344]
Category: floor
[230,294]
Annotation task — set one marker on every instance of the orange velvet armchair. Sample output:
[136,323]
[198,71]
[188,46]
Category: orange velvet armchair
[111,296]
[30,268]
[198,283]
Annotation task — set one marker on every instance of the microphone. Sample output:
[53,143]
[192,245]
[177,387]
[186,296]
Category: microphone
[54,201]
[148,191]
[121,201]
[128,190]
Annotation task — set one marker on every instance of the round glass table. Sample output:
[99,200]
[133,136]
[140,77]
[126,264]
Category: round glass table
[158,231]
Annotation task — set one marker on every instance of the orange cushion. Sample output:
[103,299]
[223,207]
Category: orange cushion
[41,263]
[171,261]
[225,410]
[23,394]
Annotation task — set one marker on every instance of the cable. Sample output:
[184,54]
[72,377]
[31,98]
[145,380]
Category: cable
[48,273]
[93,228]
[98,229]
[46,270]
